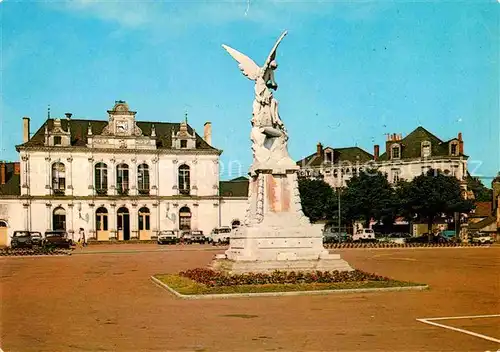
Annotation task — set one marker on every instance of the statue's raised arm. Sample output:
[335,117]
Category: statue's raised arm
[272,54]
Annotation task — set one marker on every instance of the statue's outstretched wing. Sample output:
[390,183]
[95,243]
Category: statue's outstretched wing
[246,65]
[272,54]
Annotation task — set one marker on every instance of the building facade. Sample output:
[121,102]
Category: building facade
[403,159]
[116,179]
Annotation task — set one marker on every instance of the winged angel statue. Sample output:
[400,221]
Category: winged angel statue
[269,136]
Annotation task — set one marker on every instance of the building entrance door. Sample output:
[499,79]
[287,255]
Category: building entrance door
[123,221]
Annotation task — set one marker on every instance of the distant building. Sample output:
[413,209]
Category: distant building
[116,178]
[403,159]
[489,222]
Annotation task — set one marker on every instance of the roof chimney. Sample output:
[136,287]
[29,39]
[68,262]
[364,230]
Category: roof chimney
[26,129]
[376,152]
[460,143]
[319,149]
[3,176]
[68,115]
[207,132]
[17,168]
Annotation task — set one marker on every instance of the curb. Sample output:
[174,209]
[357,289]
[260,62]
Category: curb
[402,247]
[129,251]
[398,248]
[281,294]
[34,256]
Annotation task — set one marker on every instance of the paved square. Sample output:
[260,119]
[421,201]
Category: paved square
[106,302]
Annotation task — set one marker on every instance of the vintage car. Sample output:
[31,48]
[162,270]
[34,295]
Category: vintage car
[220,235]
[58,239]
[333,236]
[21,239]
[364,235]
[36,238]
[481,238]
[167,237]
[193,236]
[197,236]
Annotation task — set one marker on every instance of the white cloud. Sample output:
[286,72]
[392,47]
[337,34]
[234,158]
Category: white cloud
[175,16]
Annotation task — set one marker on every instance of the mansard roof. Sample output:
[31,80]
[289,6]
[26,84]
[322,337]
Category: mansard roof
[411,145]
[237,187]
[12,186]
[350,154]
[79,128]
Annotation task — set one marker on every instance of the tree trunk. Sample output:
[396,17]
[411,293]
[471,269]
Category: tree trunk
[430,222]
[367,221]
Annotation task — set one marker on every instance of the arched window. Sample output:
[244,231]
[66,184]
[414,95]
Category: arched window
[3,224]
[396,151]
[58,178]
[101,219]
[59,219]
[122,179]
[184,179]
[185,218]
[143,179]
[236,223]
[144,219]
[101,178]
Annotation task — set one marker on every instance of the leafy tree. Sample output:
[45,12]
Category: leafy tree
[481,192]
[317,199]
[369,195]
[430,195]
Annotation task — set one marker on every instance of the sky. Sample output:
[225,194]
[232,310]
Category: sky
[349,72]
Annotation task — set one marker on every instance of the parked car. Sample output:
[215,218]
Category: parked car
[364,235]
[335,237]
[193,236]
[482,238]
[21,239]
[448,234]
[424,238]
[167,237]
[398,237]
[220,235]
[197,236]
[57,239]
[36,238]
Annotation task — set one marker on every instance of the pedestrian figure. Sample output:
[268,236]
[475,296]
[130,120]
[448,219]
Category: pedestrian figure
[81,240]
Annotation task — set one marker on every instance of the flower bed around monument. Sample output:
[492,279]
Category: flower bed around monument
[203,281]
[213,278]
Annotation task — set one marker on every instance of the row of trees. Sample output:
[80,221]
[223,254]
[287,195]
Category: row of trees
[370,196]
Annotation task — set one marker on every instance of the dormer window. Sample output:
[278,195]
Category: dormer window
[184,139]
[426,149]
[396,151]
[454,148]
[328,156]
[57,140]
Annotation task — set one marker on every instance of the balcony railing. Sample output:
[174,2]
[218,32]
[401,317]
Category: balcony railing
[101,191]
[144,192]
[122,191]
[58,192]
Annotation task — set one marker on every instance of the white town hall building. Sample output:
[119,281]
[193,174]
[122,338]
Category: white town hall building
[117,179]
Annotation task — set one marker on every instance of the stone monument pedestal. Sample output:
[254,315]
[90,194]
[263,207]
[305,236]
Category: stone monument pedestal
[276,234]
